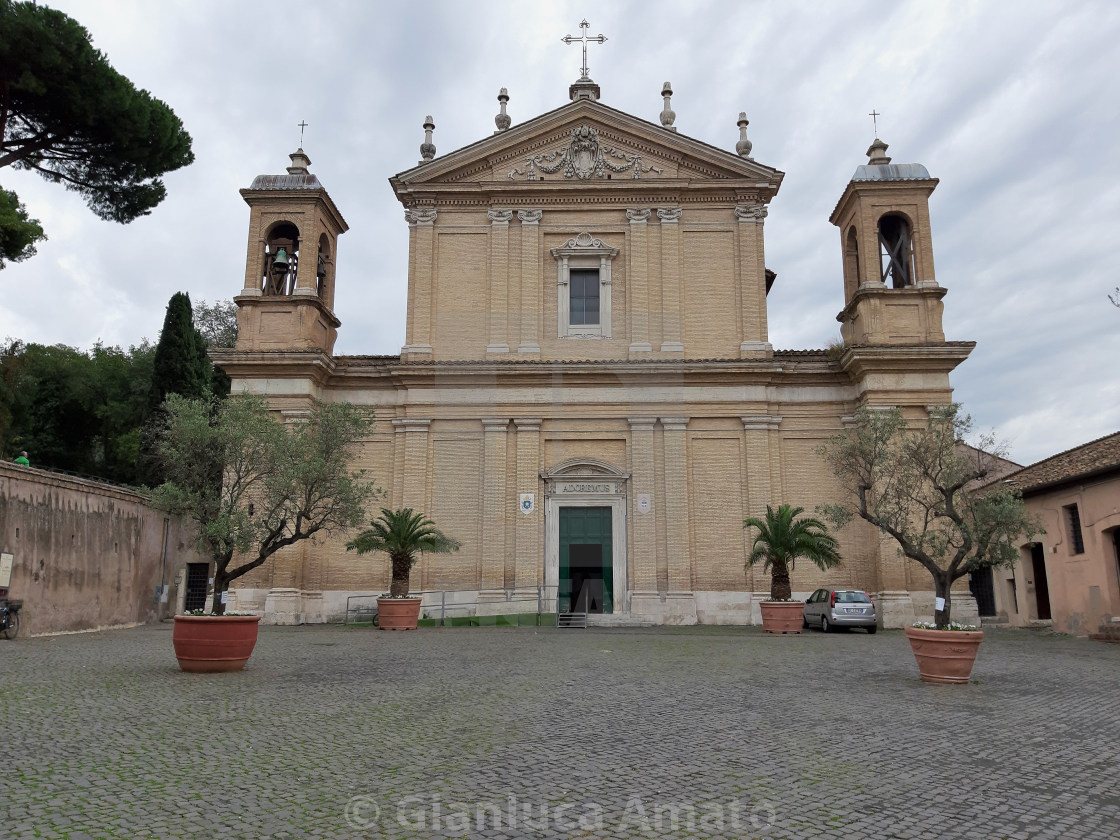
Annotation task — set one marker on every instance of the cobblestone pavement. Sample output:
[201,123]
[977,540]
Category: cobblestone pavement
[348,732]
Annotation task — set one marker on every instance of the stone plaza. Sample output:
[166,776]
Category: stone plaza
[347,732]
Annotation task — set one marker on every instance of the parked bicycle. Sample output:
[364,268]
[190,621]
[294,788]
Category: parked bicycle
[9,618]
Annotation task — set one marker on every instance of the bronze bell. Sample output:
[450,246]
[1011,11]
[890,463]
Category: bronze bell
[280,261]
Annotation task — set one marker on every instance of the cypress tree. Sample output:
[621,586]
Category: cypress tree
[180,366]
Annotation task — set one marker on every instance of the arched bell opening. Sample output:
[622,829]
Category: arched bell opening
[896,251]
[280,260]
[324,271]
[851,264]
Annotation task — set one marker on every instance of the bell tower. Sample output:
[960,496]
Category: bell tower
[891,296]
[287,301]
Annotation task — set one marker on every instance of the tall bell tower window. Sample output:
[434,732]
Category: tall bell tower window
[896,251]
[281,260]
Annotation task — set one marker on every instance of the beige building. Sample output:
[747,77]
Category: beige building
[588,397]
[1070,577]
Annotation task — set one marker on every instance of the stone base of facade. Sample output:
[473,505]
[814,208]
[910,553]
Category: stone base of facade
[662,608]
[895,608]
[284,606]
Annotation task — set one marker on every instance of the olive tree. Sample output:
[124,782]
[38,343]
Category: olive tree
[921,486]
[253,484]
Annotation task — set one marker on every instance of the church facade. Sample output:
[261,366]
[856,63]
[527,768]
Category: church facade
[588,398]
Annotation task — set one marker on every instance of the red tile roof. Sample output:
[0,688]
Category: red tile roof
[1092,458]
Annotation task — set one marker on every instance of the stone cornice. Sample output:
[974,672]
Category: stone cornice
[859,360]
[282,198]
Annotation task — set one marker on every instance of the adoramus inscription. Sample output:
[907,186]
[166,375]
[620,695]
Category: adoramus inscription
[586,488]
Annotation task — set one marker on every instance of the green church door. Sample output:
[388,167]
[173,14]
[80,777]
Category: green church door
[586,560]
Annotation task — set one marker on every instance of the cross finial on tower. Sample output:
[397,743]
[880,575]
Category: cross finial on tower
[875,120]
[302,125]
[585,39]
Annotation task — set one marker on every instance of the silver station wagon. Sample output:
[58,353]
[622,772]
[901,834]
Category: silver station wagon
[829,609]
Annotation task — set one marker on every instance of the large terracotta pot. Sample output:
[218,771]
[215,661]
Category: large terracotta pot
[208,644]
[944,656]
[398,613]
[782,616]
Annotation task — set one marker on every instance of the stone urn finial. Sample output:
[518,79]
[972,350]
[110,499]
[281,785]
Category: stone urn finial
[668,115]
[744,146]
[502,120]
[876,153]
[427,148]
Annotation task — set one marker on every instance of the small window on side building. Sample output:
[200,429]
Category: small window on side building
[1073,524]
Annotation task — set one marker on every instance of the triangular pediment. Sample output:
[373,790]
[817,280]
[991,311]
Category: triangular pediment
[587,144]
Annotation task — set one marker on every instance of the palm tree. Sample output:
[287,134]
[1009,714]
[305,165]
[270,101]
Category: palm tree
[782,538]
[401,534]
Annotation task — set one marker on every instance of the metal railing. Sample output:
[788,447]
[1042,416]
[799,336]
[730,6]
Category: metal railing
[443,604]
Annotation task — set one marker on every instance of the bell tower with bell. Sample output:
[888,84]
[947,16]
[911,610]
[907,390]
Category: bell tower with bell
[890,293]
[894,344]
[287,301]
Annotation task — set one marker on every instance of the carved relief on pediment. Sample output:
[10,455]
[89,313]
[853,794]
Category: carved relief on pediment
[583,158]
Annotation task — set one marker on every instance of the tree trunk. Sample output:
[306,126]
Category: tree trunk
[221,584]
[941,617]
[779,582]
[402,566]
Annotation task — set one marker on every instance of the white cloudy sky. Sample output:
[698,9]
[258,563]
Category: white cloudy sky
[1013,105]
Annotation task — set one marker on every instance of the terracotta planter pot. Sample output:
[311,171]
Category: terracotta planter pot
[944,656]
[209,644]
[398,613]
[782,616]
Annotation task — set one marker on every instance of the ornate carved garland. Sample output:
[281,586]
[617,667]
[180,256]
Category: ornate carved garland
[583,158]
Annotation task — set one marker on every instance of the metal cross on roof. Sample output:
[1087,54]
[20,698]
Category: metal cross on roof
[875,120]
[302,125]
[585,38]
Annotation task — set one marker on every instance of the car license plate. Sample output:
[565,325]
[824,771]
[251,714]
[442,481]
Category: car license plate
[851,610]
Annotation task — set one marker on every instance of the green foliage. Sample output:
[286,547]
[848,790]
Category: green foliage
[402,534]
[918,485]
[254,485]
[216,323]
[181,365]
[18,232]
[68,115]
[75,410]
[782,538]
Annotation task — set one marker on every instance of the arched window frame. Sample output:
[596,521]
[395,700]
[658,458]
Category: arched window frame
[277,236]
[896,259]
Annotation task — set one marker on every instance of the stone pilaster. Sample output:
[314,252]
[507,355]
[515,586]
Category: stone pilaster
[527,532]
[414,476]
[671,341]
[495,504]
[499,280]
[639,282]
[420,280]
[644,560]
[752,282]
[676,505]
[530,283]
[757,429]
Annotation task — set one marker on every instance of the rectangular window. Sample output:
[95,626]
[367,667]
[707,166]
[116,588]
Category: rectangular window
[1073,522]
[584,302]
